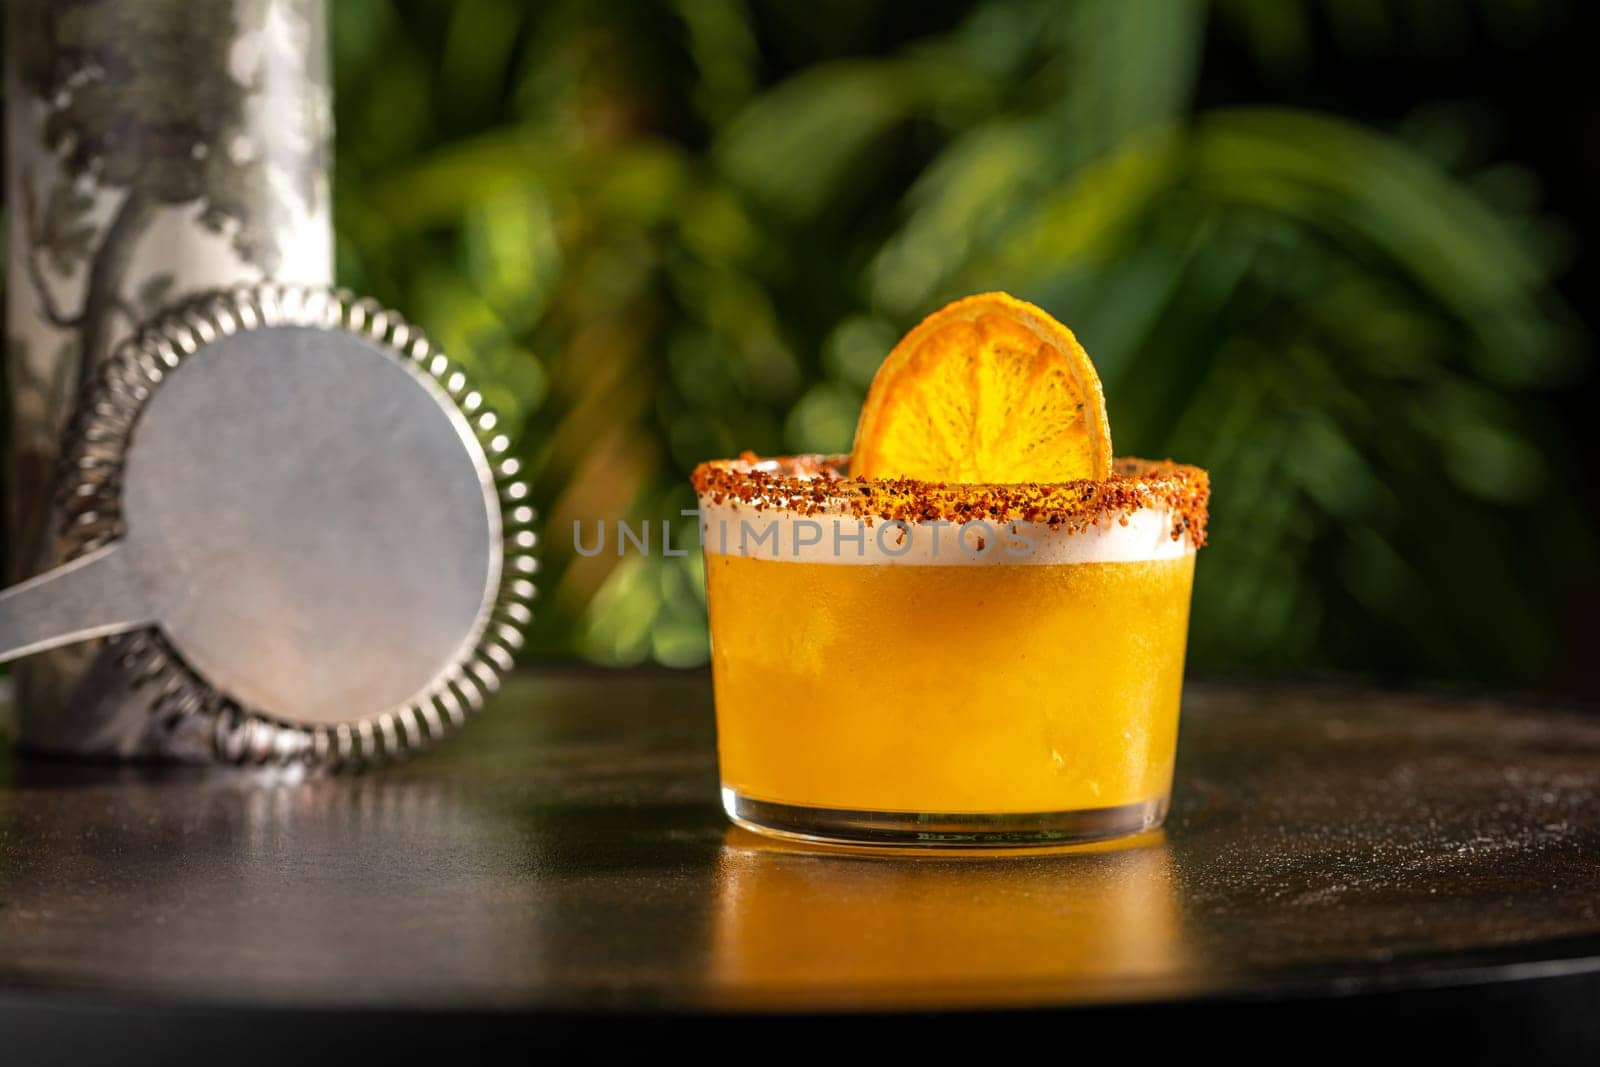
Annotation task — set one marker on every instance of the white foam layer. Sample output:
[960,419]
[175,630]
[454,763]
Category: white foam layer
[779,534]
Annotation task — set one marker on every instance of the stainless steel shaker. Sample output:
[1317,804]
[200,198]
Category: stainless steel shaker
[155,149]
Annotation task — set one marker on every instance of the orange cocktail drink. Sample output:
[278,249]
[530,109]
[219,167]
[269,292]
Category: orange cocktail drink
[971,631]
[991,676]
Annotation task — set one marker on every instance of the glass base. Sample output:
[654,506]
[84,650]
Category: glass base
[852,826]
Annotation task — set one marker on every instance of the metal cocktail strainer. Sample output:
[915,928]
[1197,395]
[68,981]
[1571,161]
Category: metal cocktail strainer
[304,498]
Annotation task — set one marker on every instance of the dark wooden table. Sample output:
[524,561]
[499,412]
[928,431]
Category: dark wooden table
[1340,868]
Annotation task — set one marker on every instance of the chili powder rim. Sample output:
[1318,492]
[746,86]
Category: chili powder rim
[810,485]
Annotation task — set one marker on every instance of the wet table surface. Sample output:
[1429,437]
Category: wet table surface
[565,858]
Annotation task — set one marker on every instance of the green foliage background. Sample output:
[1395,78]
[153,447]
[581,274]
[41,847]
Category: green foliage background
[668,231]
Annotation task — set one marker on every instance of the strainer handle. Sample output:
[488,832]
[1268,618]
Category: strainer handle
[93,596]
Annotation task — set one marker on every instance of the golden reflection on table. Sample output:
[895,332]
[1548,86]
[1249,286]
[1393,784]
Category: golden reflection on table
[818,927]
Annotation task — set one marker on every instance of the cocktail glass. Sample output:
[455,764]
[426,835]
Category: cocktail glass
[902,662]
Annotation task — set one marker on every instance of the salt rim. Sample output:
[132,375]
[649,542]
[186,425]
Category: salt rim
[811,485]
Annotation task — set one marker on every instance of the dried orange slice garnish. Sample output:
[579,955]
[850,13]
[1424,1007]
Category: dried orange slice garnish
[987,389]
